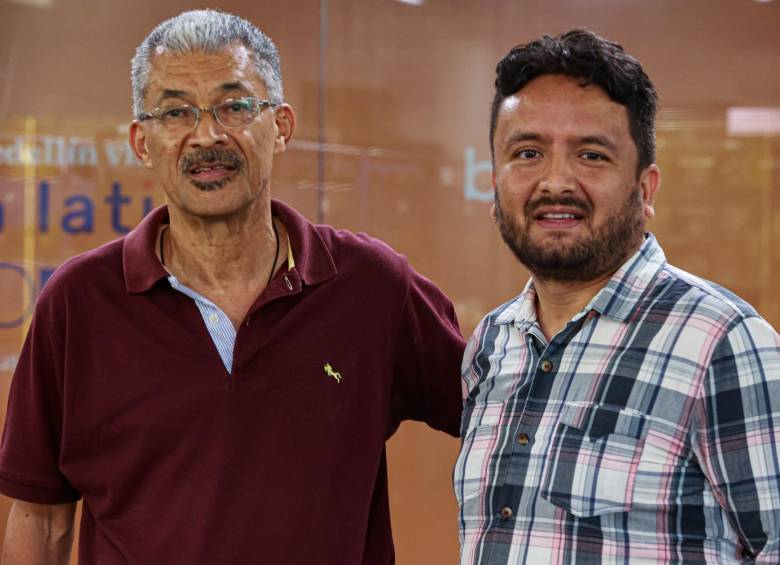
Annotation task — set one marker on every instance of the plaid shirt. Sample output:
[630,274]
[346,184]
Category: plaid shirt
[646,431]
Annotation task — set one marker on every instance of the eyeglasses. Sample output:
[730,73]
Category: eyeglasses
[234,113]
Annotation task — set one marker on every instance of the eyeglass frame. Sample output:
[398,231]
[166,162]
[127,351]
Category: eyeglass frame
[261,105]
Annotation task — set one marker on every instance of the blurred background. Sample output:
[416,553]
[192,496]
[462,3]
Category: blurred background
[392,99]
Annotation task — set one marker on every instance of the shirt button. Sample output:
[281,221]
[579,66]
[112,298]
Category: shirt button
[213,318]
[523,439]
[506,512]
[547,365]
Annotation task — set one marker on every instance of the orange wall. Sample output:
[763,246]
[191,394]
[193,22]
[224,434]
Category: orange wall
[405,98]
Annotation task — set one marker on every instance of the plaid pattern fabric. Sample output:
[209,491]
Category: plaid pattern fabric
[646,431]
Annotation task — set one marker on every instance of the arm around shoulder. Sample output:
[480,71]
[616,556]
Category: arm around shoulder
[430,352]
[39,534]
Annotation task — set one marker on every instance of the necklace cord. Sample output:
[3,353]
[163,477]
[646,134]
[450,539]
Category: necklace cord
[162,239]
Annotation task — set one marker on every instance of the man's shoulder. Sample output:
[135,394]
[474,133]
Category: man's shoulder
[493,324]
[516,309]
[704,297]
[501,313]
[346,249]
[82,270]
[361,251]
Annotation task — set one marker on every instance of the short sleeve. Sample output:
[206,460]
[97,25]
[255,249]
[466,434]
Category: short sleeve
[429,353]
[30,448]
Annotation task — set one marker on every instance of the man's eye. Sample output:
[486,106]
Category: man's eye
[239,106]
[174,113]
[592,156]
[527,154]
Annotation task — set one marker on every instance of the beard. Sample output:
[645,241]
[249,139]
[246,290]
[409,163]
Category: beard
[218,155]
[585,259]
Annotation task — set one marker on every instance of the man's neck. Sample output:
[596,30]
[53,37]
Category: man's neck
[227,260]
[557,302]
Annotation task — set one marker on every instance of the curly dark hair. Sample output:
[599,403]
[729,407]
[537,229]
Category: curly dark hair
[583,54]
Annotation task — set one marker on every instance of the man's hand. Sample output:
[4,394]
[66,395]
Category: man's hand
[38,534]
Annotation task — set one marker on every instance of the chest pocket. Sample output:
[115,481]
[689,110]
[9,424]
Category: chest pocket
[473,466]
[593,460]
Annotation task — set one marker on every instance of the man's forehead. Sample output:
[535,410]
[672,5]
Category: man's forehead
[199,72]
[554,90]
[557,99]
[233,56]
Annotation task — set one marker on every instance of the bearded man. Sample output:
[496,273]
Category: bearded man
[619,410]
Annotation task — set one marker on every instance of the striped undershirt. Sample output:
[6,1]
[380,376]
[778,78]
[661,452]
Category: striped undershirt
[218,324]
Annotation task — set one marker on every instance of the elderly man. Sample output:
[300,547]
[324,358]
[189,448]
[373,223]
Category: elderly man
[618,410]
[218,386]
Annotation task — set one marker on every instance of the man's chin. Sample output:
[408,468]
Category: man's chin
[212,185]
[557,248]
[553,266]
[557,259]
[562,239]
[577,263]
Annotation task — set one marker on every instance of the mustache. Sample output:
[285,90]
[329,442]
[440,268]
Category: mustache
[226,157]
[568,201]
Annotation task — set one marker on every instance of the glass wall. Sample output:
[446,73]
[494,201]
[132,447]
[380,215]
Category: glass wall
[392,101]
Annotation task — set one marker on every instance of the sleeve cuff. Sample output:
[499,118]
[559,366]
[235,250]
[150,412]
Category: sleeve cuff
[35,494]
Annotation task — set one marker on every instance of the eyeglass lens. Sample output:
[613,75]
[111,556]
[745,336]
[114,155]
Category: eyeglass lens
[231,113]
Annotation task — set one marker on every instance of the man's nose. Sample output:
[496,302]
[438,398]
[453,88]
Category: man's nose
[558,176]
[208,132]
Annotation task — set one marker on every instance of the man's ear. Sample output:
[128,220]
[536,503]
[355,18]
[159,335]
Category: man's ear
[495,194]
[649,183]
[138,143]
[285,126]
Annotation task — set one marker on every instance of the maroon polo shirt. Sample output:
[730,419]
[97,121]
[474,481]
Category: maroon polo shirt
[120,398]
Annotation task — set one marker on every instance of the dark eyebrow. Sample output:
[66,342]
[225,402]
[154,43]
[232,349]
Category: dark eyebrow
[601,140]
[236,85]
[169,93]
[224,87]
[519,136]
[597,140]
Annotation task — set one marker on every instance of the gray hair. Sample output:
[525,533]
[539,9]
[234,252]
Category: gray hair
[208,31]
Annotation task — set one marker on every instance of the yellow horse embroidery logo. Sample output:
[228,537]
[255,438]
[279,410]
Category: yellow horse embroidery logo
[331,373]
